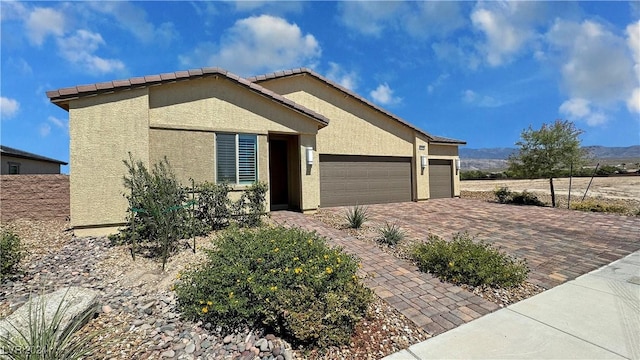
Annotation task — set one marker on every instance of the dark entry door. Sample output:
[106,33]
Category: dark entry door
[278,174]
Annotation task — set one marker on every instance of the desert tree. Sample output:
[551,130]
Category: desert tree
[546,152]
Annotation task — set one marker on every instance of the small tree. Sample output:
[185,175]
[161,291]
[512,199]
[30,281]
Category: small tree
[544,153]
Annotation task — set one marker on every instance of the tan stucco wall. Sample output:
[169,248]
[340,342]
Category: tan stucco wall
[421,178]
[28,166]
[448,152]
[103,129]
[354,128]
[176,120]
[309,175]
[443,150]
[221,105]
[190,153]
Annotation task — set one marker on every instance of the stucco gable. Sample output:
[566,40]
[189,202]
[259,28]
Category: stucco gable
[319,80]
[62,97]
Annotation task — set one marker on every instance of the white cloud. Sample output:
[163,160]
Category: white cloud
[79,49]
[507,26]
[633,41]
[421,19]
[270,7]
[21,65]
[62,124]
[596,63]
[347,79]
[633,102]
[258,44]
[383,95]
[132,18]
[13,10]
[460,54]
[473,98]
[42,22]
[433,18]
[437,82]
[8,107]
[369,17]
[44,129]
[577,109]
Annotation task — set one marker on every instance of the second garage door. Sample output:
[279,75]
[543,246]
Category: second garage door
[440,179]
[350,180]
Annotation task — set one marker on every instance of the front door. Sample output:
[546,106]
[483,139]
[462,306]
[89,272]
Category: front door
[278,174]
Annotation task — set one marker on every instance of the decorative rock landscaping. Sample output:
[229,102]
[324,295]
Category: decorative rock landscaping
[150,320]
[137,315]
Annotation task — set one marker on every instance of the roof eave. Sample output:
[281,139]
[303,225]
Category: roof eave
[62,97]
[305,71]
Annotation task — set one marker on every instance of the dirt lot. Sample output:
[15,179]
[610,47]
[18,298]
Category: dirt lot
[620,187]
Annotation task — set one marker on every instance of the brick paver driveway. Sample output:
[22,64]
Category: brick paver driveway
[558,244]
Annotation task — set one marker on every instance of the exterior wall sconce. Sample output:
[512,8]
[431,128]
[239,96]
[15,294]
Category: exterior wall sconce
[423,161]
[458,164]
[309,156]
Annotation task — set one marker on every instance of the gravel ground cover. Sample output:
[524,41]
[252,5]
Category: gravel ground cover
[138,318]
[369,232]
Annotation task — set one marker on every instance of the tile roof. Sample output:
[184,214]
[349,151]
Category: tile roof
[60,97]
[302,71]
[27,155]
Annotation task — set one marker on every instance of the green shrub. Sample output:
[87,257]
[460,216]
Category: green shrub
[506,196]
[250,208]
[285,280]
[473,175]
[213,206]
[467,262]
[356,216]
[11,253]
[48,340]
[525,198]
[157,213]
[596,206]
[503,194]
[390,234]
[607,170]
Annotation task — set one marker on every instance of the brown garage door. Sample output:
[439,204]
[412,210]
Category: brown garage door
[350,180]
[440,181]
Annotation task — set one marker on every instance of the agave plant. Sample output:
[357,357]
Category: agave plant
[47,339]
[357,216]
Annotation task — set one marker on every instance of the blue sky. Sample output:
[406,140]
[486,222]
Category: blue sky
[478,71]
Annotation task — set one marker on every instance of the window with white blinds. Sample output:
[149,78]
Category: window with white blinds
[247,149]
[236,158]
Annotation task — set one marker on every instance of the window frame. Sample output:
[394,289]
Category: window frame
[16,166]
[237,170]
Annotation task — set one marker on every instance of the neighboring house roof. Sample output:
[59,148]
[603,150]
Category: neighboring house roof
[60,97]
[5,150]
[299,71]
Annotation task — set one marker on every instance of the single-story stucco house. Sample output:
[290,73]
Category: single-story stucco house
[315,143]
[19,162]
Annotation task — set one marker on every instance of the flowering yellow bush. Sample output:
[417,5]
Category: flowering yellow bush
[307,294]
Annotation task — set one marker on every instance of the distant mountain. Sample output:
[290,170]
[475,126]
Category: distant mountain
[486,153]
[604,152]
[597,152]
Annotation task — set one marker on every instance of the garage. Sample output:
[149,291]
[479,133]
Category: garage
[440,179]
[347,180]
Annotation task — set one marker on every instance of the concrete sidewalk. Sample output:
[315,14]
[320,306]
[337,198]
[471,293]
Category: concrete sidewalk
[595,316]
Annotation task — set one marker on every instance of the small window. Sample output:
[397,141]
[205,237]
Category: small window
[236,158]
[14,168]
